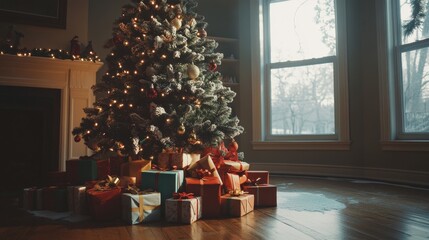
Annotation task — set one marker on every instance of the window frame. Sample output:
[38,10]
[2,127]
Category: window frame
[390,48]
[261,87]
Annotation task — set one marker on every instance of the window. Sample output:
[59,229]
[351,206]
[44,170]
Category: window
[404,71]
[302,99]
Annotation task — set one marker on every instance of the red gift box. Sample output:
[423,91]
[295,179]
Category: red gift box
[264,176]
[265,194]
[209,188]
[104,205]
[52,198]
[103,169]
[115,165]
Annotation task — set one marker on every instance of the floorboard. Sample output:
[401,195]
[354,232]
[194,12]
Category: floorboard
[308,208]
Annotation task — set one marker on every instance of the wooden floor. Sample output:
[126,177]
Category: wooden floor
[308,208]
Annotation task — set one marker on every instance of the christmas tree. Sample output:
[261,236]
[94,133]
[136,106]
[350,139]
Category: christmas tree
[162,89]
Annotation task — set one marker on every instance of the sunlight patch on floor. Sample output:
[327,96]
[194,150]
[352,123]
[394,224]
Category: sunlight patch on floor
[304,201]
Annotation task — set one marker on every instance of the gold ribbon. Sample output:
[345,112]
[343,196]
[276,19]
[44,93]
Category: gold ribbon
[142,208]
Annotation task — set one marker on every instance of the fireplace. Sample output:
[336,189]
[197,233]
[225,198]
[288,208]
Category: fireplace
[42,100]
[29,123]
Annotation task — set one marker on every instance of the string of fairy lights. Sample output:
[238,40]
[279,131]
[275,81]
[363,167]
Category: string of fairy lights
[48,53]
[134,57]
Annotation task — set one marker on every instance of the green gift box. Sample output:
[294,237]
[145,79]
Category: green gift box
[81,171]
[165,182]
[142,207]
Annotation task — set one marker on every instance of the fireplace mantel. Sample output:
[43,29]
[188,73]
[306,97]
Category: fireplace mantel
[73,78]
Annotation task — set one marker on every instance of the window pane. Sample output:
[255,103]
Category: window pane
[415,91]
[302,29]
[419,33]
[302,100]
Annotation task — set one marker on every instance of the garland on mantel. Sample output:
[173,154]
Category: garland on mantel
[50,53]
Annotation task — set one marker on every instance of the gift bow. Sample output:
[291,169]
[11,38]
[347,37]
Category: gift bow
[183,195]
[107,184]
[202,173]
[253,182]
[237,192]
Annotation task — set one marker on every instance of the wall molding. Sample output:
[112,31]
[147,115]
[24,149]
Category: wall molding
[380,174]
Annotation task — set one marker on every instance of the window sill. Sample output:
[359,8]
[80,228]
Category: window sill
[405,145]
[303,145]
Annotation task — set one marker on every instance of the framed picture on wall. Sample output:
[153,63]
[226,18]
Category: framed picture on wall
[46,13]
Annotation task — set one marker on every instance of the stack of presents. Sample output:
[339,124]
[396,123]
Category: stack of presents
[181,188]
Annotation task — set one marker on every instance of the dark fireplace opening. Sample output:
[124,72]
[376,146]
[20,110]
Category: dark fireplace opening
[29,142]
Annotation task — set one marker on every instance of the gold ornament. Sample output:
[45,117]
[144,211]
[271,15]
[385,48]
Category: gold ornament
[181,130]
[193,71]
[176,22]
[192,138]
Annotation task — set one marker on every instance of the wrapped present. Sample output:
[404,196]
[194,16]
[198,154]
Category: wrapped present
[115,165]
[141,207]
[237,206]
[80,171]
[167,160]
[165,182]
[76,196]
[209,188]
[56,178]
[257,177]
[183,208]
[236,166]
[134,168]
[103,168]
[265,194]
[204,163]
[104,204]
[217,153]
[52,198]
[29,198]
[232,182]
[232,153]
[125,181]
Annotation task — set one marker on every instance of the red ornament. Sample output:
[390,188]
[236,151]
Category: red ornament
[152,93]
[212,66]
[77,138]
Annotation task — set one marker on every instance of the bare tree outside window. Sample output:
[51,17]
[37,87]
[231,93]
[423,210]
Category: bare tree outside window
[414,80]
[303,49]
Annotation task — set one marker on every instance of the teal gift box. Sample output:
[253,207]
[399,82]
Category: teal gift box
[142,207]
[165,182]
[80,171]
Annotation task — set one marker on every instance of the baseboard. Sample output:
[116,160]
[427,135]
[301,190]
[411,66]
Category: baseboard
[381,174]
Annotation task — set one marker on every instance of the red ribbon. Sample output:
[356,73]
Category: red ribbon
[201,173]
[183,195]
